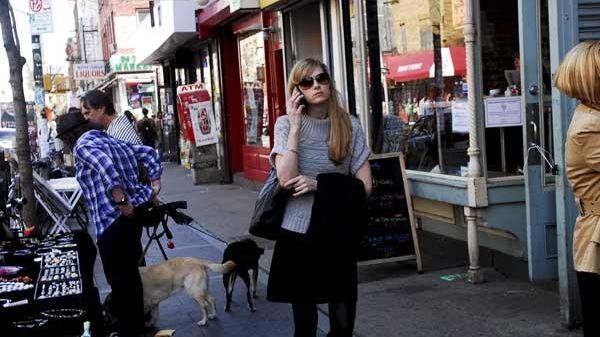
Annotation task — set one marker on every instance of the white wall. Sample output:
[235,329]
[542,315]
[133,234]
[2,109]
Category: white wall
[176,16]
[184,15]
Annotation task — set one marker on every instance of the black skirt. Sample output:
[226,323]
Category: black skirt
[304,270]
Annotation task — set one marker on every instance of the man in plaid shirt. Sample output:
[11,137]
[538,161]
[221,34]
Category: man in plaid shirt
[107,170]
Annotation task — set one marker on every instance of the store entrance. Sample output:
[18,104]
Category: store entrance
[536,102]
[255,105]
[303,33]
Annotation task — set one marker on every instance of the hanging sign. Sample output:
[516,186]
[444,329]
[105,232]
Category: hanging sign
[89,71]
[196,114]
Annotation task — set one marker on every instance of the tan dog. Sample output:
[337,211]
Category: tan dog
[161,280]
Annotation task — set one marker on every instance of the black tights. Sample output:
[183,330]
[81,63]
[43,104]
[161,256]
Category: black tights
[341,319]
[589,292]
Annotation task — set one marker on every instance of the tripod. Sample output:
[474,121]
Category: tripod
[166,211]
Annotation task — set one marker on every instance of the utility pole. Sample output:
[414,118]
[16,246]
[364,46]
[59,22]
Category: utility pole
[16,62]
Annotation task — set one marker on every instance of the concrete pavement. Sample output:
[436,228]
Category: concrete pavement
[393,299]
[180,312]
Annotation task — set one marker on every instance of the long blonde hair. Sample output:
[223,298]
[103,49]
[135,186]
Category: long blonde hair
[578,73]
[340,130]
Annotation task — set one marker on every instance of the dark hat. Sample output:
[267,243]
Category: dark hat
[68,122]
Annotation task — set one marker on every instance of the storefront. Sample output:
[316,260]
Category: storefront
[462,88]
[245,109]
[189,64]
[132,86]
[259,43]
[169,39]
[482,133]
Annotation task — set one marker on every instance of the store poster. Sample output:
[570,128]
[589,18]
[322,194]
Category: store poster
[503,112]
[203,123]
[460,117]
[195,114]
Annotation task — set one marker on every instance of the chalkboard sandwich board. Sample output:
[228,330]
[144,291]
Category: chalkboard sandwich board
[390,234]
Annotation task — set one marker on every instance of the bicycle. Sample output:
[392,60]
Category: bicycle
[11,201]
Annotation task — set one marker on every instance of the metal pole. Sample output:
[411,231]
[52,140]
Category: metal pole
[475,274]
[503,151]
[362,64]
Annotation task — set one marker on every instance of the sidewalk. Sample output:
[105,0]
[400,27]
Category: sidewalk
[393,299]
[180,312]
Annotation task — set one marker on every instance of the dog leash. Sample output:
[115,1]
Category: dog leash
[200,229]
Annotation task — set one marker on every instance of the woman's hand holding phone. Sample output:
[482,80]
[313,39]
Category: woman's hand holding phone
[296,107]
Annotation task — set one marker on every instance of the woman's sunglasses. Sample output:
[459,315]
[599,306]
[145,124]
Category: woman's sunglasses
[307,82]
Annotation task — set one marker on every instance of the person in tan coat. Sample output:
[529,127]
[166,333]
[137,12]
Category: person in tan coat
[579,77]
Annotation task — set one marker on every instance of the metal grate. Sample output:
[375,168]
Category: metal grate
[588,12]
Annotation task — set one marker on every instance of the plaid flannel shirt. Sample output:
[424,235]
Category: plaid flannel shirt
[103,163]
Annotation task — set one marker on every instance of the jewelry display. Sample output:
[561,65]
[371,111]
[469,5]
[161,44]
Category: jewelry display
[58,289]
[63,313]
[24,279]
[8,287]
[39,277]
[15,304]
[59,258]
[30,324]
[58,273]
[9,270]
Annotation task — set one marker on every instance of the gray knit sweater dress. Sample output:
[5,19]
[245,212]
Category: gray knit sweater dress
[296,260]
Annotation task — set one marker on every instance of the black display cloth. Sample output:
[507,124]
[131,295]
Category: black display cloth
[49,313]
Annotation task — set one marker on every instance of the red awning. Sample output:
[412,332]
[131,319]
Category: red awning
[416,66]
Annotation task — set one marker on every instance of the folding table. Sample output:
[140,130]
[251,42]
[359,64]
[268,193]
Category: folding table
[59,197]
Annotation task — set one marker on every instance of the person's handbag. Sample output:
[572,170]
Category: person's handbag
[269,209]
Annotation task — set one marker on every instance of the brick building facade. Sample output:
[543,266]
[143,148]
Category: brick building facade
[122,17]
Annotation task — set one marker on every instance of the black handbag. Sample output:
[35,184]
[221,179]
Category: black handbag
[269,209]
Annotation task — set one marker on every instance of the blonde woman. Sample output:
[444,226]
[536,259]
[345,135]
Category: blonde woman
[578,77]
[317,136]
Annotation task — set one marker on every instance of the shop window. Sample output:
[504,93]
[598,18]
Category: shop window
[142,14]
[303,34]
[256,110]
[141,95]
[404,39]
[500,70]
[426,38]
[423,73]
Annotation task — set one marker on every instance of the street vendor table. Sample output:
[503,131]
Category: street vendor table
[59,197]
[46,286]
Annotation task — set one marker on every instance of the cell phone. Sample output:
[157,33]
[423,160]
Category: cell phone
[302,100]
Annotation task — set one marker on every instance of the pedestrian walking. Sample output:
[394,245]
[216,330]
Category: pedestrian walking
[97,107]
[147,130]
[316,137]
[107,170]
[577,76]
[130,117]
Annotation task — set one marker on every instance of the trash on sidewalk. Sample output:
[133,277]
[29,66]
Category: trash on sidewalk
[165,333]
[453,277]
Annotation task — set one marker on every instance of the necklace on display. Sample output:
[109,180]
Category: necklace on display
[63,313]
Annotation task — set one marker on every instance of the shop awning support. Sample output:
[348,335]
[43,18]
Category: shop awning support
[475,274]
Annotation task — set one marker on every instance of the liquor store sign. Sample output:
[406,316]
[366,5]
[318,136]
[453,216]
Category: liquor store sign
[89,71]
